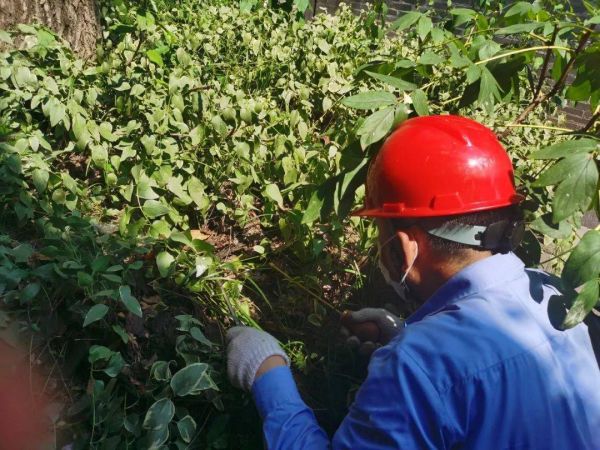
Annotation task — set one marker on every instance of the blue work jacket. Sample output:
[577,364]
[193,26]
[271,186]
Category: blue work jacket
[483,364]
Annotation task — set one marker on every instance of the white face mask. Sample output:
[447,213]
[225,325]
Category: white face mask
[399,286]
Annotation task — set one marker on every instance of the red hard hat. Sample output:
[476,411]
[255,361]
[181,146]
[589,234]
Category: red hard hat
[437,166]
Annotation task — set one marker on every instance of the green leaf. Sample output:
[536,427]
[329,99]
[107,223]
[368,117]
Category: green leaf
[187,428]
[488,49]
[463,12]
[156,438]
[370,100]
[560,170]
[424,26]
[272,191]
[376,126]
[419,99]
[544,225]
[164,260]
[121,332]
[489,90]
[99,154]
[105,129]
[144,190]
[159,415]
[196,190]
[584,261]
[161,371]
[567,148]
[29,292]
[40,179]
[79,126]
[313,209]
[595,20]
[577,190]
[393,81]
[198,335]
[583,304]
[520,28]
[473,73]
[84,279]
[518,9]
[57,113]
[154,56]
[94,314]
[192,380]
[115,365]
[430,58]
[302,5]
[23,77]
[219,125]
[154,209]
[405,21]
[5,37]
[99,353]
[130,302]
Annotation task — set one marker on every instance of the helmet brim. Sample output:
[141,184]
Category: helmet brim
[415,213]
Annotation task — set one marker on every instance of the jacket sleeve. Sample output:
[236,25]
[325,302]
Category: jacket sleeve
[396,407]
[288,424]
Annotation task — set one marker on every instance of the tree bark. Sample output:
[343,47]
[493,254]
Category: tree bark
[76,21]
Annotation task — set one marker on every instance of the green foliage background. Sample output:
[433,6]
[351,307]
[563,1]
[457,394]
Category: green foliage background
[210,156]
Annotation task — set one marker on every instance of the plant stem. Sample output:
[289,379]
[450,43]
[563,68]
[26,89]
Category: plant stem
[561,81]
[524,50]
[308,291]
[592,120]
[544,127]
[544,70]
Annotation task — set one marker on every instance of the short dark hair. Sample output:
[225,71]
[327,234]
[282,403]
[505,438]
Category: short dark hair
[452,249]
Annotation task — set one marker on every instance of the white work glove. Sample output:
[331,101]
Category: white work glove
[369,328]
[247,348]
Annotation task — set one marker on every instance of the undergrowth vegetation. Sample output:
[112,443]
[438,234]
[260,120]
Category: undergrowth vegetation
[207,161]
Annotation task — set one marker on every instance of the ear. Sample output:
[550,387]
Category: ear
[407,239]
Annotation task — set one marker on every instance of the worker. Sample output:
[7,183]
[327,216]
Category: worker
[483,363]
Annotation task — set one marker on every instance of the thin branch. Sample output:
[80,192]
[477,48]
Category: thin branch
[137,49]
[524,50]
[543,127]
[584,38]
[546,64]
[591,122]
[557,86]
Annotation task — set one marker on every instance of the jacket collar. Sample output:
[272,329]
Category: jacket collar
[483,274]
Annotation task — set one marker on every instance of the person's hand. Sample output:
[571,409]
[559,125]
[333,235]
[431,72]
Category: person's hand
[368,328]
[247,350]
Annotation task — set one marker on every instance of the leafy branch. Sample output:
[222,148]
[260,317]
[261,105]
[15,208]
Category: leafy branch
[539,99]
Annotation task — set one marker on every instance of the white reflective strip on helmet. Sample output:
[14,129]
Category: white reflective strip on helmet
[464,234]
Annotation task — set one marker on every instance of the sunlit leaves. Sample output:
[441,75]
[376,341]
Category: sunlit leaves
[584,261]
[586,299]
[370,100]
[164,261]
[420,103]
[576,176]
[376,126]
[567,148]
[272,192]
[406,20]
[392,81]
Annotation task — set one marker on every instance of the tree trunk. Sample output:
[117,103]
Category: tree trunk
[76,21]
